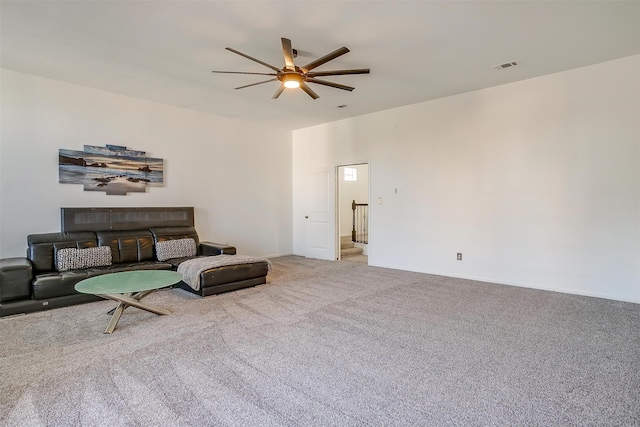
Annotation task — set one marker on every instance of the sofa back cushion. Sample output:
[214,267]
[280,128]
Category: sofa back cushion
[160,234]
[42,249]
[127,246]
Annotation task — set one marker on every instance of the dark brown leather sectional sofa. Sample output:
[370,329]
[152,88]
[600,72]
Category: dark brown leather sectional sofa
[32,283]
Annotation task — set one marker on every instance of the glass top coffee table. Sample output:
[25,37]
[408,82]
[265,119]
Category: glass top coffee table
[128,288]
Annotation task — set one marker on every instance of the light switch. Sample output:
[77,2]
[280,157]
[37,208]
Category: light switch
[379,200]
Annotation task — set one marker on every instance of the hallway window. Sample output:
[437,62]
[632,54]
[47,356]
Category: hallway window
[350,174]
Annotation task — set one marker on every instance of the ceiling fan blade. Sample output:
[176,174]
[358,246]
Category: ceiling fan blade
[305,87]
[278,92]
[288,54]
[338,72]
[253,59]
[328,57]
[244,72]
[254,84]
[326,83]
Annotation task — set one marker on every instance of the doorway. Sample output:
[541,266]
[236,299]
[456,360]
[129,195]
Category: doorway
[353,213]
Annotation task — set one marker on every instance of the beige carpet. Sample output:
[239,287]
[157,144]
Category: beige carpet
[359,259]
[329,343]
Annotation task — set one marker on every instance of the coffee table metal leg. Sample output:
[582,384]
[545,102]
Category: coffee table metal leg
[143,294]
[137,304]
[117,312]
[137,296]
[127,300]
[114,309]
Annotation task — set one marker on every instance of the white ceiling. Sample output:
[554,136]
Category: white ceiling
[164,51]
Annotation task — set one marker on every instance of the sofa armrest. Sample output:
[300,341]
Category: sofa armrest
[211,248]
[16,275]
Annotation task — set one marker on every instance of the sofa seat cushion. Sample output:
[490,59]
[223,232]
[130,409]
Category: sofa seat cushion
[96,271]
[175,262]
[56,284]
[135,266]
[52,285]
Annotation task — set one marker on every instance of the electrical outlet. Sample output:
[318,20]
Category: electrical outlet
[459,256]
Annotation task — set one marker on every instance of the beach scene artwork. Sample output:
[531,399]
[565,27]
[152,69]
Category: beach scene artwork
[113,169]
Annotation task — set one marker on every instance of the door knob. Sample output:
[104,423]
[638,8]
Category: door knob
[306,217]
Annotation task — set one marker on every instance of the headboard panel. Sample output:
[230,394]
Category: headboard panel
[118,219]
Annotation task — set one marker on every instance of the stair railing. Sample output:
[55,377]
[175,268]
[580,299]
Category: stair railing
[359,232]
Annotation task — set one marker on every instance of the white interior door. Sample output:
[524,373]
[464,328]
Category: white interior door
[320,221]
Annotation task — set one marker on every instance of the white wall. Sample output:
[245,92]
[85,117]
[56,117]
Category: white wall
[350,191]
[237,175]
[537,182]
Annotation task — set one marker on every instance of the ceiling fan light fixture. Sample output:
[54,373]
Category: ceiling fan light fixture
[291,80]
[291,84]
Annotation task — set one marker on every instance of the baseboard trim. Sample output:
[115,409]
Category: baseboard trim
[276,256]
[521,285]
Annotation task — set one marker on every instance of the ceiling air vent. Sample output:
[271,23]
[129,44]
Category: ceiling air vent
[505,65]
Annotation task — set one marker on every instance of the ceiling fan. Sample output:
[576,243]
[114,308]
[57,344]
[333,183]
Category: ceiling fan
[292,76]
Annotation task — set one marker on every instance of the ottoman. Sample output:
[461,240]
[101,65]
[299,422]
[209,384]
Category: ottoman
[227,278]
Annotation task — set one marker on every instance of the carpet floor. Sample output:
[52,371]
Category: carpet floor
[329,344]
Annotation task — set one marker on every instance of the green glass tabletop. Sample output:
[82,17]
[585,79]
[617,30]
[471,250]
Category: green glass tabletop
[128,282]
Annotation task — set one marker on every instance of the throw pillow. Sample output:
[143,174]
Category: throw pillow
[73,258]
[178,248]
